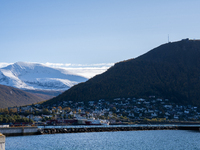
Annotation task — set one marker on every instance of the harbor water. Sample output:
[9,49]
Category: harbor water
[126,140]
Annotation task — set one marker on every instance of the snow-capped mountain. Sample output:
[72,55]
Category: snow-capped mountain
[34,76]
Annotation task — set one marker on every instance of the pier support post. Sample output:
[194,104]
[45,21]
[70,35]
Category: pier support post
[2,142]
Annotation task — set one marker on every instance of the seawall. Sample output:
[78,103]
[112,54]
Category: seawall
[14,131]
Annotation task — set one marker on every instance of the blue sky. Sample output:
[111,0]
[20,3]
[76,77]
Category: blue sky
[91,31]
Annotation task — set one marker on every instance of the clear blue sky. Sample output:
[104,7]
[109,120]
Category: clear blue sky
[91,31]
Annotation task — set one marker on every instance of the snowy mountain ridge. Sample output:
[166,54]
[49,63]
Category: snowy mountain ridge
[35,76]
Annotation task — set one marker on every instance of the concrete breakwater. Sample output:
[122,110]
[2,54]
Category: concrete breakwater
[103,129]
[15,131]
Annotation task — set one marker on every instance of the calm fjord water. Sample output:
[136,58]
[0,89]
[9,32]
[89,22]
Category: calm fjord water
[126,140]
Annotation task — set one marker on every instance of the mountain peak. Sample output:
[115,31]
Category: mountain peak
[20,63]
[26,75]
[30,65]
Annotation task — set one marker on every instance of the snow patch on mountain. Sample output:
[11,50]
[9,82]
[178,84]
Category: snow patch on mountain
[36,76]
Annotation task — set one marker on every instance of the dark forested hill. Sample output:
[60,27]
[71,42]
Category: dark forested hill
[10,96]
[169,71]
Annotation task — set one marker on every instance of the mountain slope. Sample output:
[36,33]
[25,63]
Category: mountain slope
[33,76]
[169,71]
[10,96]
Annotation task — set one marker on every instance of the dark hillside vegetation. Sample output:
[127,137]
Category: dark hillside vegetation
[169,71]
[10,97]
[45,94]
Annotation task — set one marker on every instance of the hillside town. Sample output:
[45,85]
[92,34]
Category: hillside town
[119,110]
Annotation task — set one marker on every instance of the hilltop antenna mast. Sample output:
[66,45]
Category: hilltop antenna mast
[168,38]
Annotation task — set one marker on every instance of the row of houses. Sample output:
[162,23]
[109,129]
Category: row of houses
[130,108]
